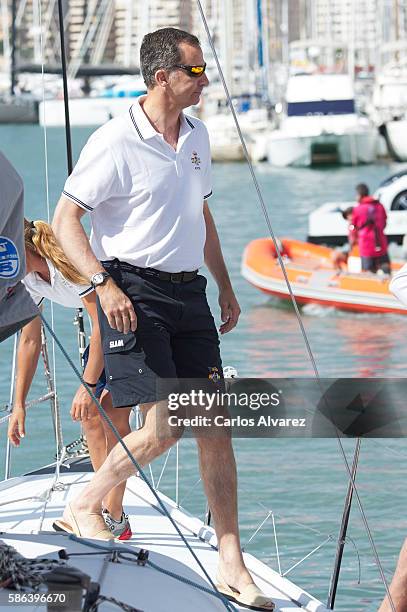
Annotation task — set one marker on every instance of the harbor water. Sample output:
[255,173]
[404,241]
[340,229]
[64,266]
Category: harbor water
[301,483]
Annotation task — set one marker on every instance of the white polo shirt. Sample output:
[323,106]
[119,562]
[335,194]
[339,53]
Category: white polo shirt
[145,198]
[59,290]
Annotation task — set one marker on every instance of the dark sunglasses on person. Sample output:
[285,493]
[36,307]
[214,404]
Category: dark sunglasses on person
[193,71]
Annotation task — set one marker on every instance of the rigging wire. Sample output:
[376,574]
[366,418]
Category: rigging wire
[46,169]
[293,300]
[58,440]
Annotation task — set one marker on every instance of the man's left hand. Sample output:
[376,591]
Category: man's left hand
[230,310]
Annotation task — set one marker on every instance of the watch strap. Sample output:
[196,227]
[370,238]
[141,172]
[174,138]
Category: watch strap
[92,385]
[105,275]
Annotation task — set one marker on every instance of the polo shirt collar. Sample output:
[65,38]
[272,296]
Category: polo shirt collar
[144,128]
[52,273]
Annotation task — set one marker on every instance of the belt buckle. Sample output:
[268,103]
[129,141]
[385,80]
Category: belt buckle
[176,277]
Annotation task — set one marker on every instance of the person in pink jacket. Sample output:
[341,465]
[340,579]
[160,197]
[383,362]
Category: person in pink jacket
[367,229]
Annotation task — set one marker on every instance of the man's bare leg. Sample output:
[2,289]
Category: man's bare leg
[218,470]
[144,445]
[398,586]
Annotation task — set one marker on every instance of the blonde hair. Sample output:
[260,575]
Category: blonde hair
[39,237]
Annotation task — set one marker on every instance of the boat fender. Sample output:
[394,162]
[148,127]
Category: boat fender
[354,264]
[280,247]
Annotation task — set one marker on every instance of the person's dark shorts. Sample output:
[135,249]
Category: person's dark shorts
[101,383]
[373,264]
[176,337]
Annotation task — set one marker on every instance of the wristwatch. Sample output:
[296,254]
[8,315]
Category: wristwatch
[99,279]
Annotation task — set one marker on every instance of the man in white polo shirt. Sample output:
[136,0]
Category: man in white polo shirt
[144,177]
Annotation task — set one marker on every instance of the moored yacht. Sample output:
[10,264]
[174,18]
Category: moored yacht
[388,107]
[320,124]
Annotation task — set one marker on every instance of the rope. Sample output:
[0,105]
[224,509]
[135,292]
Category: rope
[121,550]
[20,572]
[138,468]
[292,297]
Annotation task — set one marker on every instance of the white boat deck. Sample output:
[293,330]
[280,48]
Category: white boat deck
[28,507]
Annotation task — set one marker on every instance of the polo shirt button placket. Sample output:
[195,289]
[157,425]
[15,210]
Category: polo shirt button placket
[178,166]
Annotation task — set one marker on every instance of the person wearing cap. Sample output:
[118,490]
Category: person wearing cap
[145,178]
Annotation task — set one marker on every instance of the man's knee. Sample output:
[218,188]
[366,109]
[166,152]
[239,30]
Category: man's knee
[163,438]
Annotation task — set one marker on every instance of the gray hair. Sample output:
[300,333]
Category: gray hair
[160,50]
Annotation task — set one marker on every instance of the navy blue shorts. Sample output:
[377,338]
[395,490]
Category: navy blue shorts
[176,337]
[101,383]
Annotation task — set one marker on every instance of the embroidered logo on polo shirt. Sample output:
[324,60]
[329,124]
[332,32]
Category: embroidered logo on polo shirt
[196,160]
[214,375]
[116,343]
[9,258]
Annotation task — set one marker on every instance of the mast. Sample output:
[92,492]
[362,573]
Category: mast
[342,531]
[226,41]
[65,86]
[396,12]
[352,46]
[13,80]
[128,32]
[69,162]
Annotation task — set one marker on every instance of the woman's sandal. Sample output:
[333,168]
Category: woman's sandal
[73,527]
[251,596]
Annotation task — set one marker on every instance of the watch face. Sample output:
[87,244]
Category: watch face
[98,278]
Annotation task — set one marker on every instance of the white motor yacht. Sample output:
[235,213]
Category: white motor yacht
[320,124]
[389,100]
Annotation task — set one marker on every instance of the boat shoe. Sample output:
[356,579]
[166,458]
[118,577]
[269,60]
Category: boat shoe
[69,524]
[120,529]
[250,597]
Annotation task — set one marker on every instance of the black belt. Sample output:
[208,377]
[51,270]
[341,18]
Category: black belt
[173,277]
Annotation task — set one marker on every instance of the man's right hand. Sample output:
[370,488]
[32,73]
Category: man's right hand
[16,425]
[117,307]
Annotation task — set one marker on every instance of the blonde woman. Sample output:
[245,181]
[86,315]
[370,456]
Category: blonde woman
[50,275]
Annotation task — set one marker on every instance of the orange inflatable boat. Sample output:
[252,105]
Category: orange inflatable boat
[314,278]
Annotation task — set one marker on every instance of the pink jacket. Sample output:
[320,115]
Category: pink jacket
[370,235]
